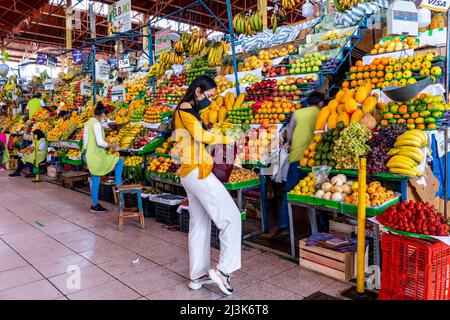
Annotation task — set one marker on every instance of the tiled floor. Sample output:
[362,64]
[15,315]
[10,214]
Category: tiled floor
[52,247]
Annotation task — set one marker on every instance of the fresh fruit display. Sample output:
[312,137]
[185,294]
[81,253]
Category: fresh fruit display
[274,112]
[170,58]
[135,87]
[344,5]
[332,35]
[127,135]
[162,165]
[41,115]
[351,145]
[258,144]
[146,139]
[408,154]
[241,114]
[305,187]
[249,79]
[138,115]
[214,51]
[380,144]
[376,195]
[337,189]
[242,175]
[222,107]
[166,146]
[415,217]
[422,112]
[45,127]
[153,113]
[260,90]
[290,87]
[265,57]
[309,155]
[311,62]
[74,153]
[196,72]
[395,44]
[133,161]
[192,42]
[179,80]
[223,84]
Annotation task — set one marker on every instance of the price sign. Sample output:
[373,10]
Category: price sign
[41,58]
[103,69]
[124,61]
[52,61]
[77,57]
[86,89]
[162,42]
[117,93]
[48,85]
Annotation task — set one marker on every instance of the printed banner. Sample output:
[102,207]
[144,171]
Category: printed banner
[119,16]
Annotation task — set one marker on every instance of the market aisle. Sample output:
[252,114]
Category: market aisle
[45,229]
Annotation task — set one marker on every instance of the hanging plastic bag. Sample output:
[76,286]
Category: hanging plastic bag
[321,173]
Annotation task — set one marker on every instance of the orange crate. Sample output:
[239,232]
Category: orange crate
[414,269]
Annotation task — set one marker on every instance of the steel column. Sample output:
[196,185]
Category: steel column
[233,49]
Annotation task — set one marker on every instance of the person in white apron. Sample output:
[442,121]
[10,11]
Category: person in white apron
[208,198]
[30,159]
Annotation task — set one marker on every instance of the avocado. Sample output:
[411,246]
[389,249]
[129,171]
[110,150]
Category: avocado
[318,156]
[323,156]
[324,137]
[340,125]
[324,163]
[330,156]
[336,133]
[319,146]
[331,163]
[326,147]
[317,162]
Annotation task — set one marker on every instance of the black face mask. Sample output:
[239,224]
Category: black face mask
[204,103]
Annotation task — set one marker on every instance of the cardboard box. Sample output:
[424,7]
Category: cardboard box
[53,171]
[424,189]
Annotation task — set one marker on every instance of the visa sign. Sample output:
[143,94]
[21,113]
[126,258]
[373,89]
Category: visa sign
[436,5]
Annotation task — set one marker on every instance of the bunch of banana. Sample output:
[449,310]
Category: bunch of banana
[197,45]
[407,153]
[157,70]
[242,24]
[274,21]
[9,86]
[256,21]
[289,4]
[170,59]
[216,53]
[185,39]
[178,47]
[344,5]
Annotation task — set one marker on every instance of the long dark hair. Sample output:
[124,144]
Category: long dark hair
[205,83]
[39,134]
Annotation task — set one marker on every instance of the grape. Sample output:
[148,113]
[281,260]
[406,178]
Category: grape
[351,145]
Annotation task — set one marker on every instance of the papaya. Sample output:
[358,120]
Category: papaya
[345,118]
[356,116]
[332,120]
[229,100]
[239,100]
[340,96]
[322,118]
[332,105]
[220,101]
[350,105]
[369,104]
[350,94]
[205,116]
[213,116]
[222,114]
[361,94]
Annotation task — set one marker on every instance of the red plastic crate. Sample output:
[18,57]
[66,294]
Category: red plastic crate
[414,269]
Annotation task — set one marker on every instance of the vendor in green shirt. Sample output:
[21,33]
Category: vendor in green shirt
[300,132]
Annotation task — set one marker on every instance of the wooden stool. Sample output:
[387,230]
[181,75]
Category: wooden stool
[130,212]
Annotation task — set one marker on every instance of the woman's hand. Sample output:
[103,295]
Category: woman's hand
[114,146]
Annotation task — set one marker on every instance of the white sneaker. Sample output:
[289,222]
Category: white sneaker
[200,282]
[222,280]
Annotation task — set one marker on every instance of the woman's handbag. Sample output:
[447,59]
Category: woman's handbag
[224,156]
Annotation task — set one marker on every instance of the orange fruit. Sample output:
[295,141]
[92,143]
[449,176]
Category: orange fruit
[380,74]
[360,82]
[376,61]
[345,84]
[281,117]
[375,80]
[359,75]
[353,69]
[366,75]
[353,83]
[359,63]
[360,69]
[373,67]
[373,74]
[380,67]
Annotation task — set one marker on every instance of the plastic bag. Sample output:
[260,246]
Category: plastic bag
[321,173]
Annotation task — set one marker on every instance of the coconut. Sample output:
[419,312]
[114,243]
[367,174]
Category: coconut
[326,186]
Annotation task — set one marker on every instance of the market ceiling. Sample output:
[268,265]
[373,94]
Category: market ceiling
[39,25]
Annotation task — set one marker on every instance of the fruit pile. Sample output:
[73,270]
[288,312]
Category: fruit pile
[242,175]
[166,146]
[274,112]
[305,187]
[260,90]
[422,112]
[309,155]
[415,217]
[351,145]
[376,195]
[241,114]
[257,144]
[396,44]
[179,80]
[127,135]
[194,73]
[74,153]
[222,84]
[230,107]
[336,35]
[311,62]
[290,87]
[133,161]
[138,115]
[162,165]
[337,189]
[381,143]
[249,79]
[407,154]
[153,114]
[146,139]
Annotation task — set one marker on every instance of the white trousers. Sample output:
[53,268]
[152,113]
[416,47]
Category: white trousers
[209,200]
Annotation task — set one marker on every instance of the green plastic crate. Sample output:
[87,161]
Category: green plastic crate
[370,211]
[242,185]
[299,198]
[327,203]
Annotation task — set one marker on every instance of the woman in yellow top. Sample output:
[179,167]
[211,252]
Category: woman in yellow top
[208,198]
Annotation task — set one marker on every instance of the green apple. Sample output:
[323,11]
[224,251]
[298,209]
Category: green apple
[315,69]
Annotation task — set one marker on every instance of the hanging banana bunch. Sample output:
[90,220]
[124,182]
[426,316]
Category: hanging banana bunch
[256,21]
[178,47]
[274,21]
[289,4]
[216,52]
[169,59]
[157,70]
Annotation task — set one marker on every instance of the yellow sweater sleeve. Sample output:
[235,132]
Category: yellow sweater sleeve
[199,134]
